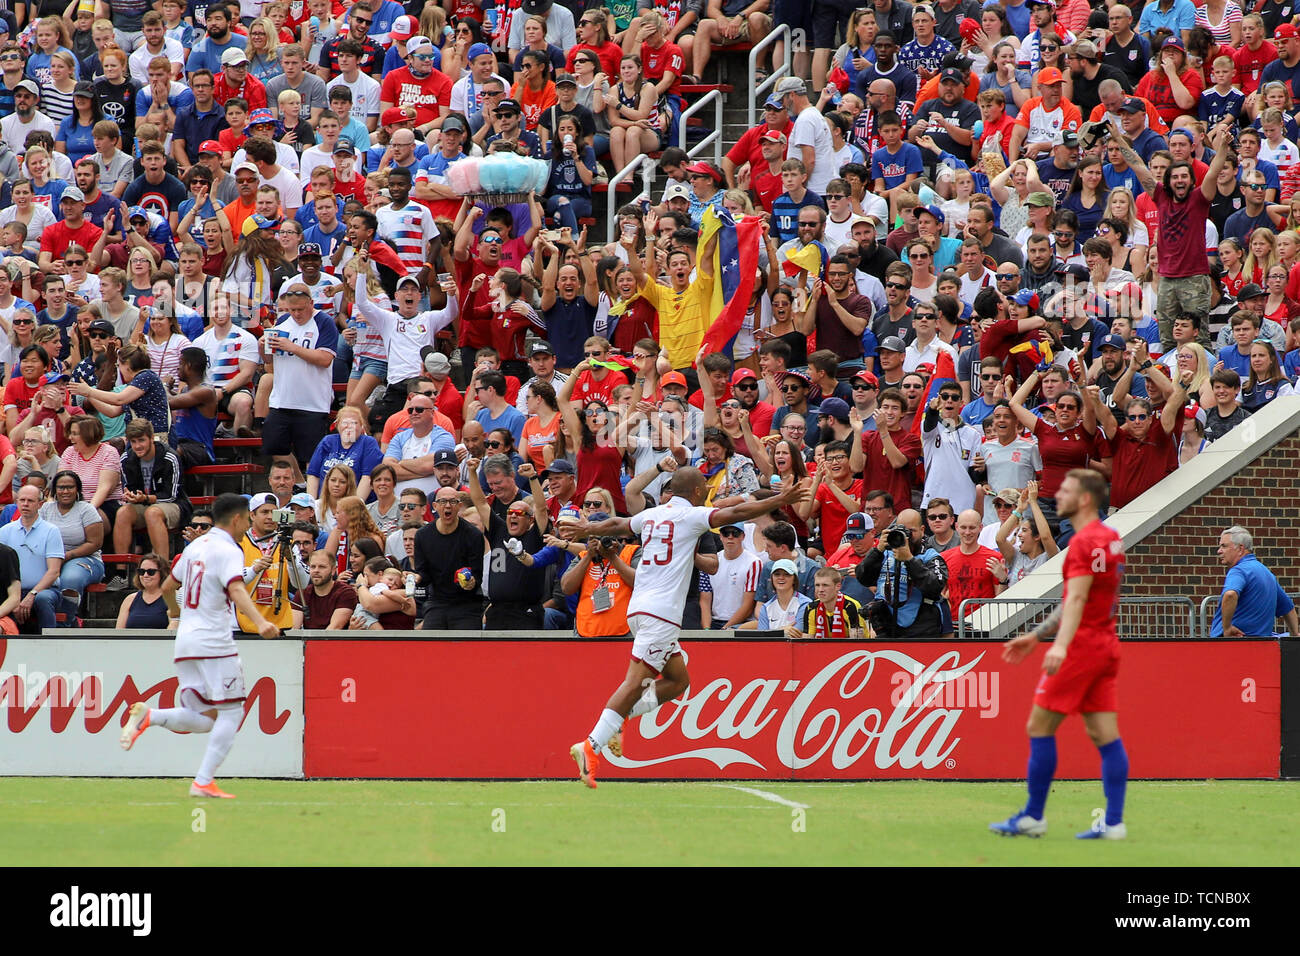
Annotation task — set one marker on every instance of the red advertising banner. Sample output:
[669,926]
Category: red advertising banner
[767,710]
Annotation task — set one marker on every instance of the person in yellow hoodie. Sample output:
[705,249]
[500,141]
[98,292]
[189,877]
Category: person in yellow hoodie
[262,568]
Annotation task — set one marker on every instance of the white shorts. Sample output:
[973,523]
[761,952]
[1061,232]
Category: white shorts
[653,640]
[208,682]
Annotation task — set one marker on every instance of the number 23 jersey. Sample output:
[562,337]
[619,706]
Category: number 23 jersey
[204,569]
[669,535]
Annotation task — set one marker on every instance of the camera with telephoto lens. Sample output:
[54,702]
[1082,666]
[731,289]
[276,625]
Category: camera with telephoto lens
[1093,133]
[896,536]
[608,543]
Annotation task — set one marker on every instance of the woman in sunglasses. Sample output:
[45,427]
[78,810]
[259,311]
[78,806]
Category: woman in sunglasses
[924,279]
[144,608]
[599,452]
[499,441]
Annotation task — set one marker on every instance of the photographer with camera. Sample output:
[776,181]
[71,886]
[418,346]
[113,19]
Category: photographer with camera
[909,588]
[272,568]
[603,578]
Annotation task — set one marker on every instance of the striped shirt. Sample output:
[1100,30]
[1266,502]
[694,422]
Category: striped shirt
[224,353]
[409,229]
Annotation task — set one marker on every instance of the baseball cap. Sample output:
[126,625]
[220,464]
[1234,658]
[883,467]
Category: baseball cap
[28,85]
[1074,270]
[1132,105]
[403,28]
[836,408]
[246,166]
[1043,3]
[934,211]
[1250,291]
[856,525]
[259,116]
[801,376]
[773,136]
[84,88]
[561,466]
[101,325]
[408,279]
[73,193]
[1195,411]
[703,169]
[536,6]
[454,123]
[791,84]
[741,374]
[968,28]
[955,76]
[1285,31]
[419,45]
[892,343]
[565,78]
[136,212]
[1049,75]
[786,565]
[673,378]
[1040,198]
[1111,341]
[1069,138]
[774,102]
[1175,42]
[396,114]
[257,221]
[540,347]
[508,106]
[1009,495]
[345,145]
[302,500]
[263,498]
[1182,131]
[676,190]
[309,249]
[233,55]
[1085,49]
[445,456]
[478,49]
[868,377]
[437,365]
[211,146]
[1026,297]
[49,378]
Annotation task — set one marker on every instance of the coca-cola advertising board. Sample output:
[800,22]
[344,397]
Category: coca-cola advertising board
[64,703]
[771,709]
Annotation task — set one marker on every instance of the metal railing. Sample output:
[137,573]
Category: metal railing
[758,90]
[1161,617]
[611,196]
[714,138]
[1210,604]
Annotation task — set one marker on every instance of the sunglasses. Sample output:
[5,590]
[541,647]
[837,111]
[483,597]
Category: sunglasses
[1063,235]
[897,285]
[993,377]
[920,255]
[74,262]
[364,23]
[1008,276]
[1139,418]
[33,321]
[490,239]
[199,524]
[863,387]
[420,409]
[409,506]
[731,533]
[950,398]
[1068,407]
[1253,185]
[150,572]
[98,335]
[594,354]
[11,57]
[745,387]
[732,405]
[792,388]
[593,504]
[836,196]
[809,225]
[493,444]
[940,517]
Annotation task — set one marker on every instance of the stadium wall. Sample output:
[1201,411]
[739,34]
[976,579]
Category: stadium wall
[475,706]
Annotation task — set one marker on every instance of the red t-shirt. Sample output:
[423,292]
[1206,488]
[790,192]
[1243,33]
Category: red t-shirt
[1155,88]
[19,395]
[1096,551]
[1138,464]
[640,321]
[428,95]
[969,577]
[697,399]
[610,55]
[7,449]
[355,188]
[998,340]
[1002,126]
[1181,249]
[55,239]
[1060,451]
[879,475]
[834,514]
[748,148]
[760,419]
[601,467]
[587,388]
[1251,63]
[231,141]
[765,185]
[666,59]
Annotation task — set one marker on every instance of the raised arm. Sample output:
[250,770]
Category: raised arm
[1023,415]
[1144,177]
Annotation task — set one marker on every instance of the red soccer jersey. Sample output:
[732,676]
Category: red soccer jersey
[765,185]
[969,577]
[427,95]
[879,474]
[587,389]
[475,307]
[1251,63]
[748,148]
[610,55]
[251,89]
[1060,451]
[834,514]
[656,62]
[1096,551]
[1139,464]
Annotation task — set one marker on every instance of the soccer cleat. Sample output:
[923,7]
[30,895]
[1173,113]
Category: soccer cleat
[1103,832]
[1019,824]
[615,744]
[136,724]
[209,790]
[584,755]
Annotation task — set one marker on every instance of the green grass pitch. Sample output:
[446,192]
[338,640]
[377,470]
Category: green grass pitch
[117,822]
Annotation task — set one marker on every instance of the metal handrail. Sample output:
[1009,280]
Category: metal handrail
[1212,600]
[757,89]
[1005,616]
[714,97]
[611,196]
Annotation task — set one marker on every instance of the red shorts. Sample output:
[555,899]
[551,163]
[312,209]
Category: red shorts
[1085,684]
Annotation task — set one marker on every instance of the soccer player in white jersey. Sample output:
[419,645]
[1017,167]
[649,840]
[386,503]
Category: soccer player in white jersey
[210,576]
[669,535]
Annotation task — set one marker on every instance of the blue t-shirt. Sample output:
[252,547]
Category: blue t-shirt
[568,326]
[439,440]
[1233,359]
[38,66]
[80,143]
[1260,599]
[362,457]
[196,227]
[1127,179]
[54,190]
[206,54]
[977,410]
[1291,364]
[1279,72]
[894,168]
[564,180]
[916,57]
[324,239]
[510,418]
[1017,16]
[1181,16]
[153,403]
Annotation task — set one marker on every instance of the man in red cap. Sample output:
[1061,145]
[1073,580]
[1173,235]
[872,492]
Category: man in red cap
[1285,69]
[1044,118]
[748,150]
[865,388]
[744,386]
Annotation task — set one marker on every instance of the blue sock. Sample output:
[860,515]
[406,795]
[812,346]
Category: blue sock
[1042,767]
[1114,779]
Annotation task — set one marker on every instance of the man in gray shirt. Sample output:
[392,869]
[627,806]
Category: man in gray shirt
[295,77]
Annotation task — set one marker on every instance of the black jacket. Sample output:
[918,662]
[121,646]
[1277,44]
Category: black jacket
[165,481]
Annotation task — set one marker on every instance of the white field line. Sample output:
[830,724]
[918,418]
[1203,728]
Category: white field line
[763,794]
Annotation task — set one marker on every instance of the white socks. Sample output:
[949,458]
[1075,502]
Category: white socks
[648,701]
[223,736]
[181,720]
[605,728]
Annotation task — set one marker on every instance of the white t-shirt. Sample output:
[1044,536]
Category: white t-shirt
[735,578]
[324,303]
[971,287]
[14,131]
[407,445]
[138,62]
[300,385]
[405,337]
[205,569]
[915,357]
[669,536]
[287,182]
[315,157]
[226,352]
[365,95]
[285,157]
[42,216]
[810,129]
[948,453]
[1009,466]
[1284,155]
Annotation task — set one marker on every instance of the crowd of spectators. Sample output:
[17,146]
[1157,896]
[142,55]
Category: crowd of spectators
[998,242]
